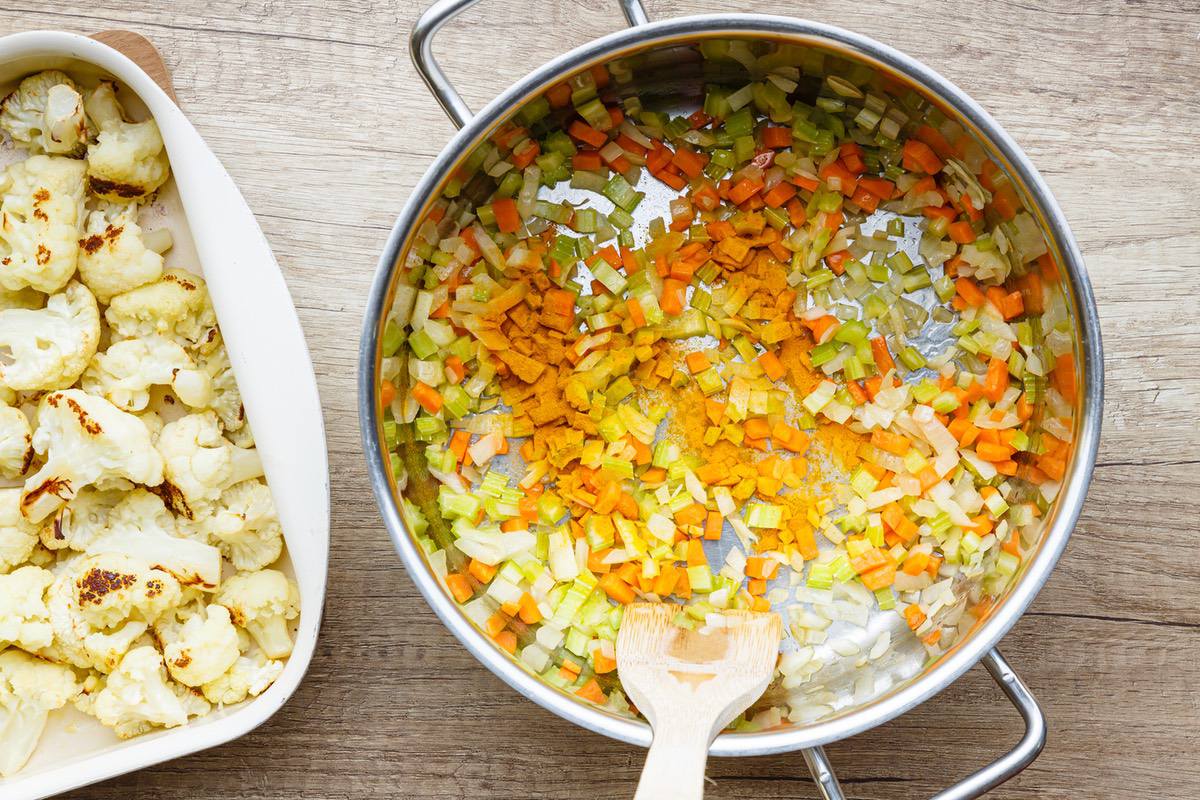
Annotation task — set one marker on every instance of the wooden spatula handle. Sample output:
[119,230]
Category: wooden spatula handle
[674,767]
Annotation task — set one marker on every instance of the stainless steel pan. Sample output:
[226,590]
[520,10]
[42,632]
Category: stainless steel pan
[910,679]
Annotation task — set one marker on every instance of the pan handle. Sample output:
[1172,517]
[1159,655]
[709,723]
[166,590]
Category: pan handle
[990,776]
[420,47]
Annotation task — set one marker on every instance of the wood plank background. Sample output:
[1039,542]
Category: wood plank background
[315,109]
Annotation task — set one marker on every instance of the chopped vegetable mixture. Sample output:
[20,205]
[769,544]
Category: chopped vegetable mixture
[600,404]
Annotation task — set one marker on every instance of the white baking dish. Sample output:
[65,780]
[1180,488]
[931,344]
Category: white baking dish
[216,235]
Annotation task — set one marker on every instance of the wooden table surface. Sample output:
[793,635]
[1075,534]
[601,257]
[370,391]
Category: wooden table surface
[318,114]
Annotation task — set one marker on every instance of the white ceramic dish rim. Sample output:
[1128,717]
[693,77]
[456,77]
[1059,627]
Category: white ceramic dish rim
[250,297]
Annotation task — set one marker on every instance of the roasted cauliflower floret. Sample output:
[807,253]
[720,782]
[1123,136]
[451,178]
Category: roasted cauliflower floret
[225,399]
[29,690]
[80,522]
[45,114]
[205,647]
[141,527]
[176,306]
[124,373]
[41,213]
[251,675]
[263,603]
[86,441]
[101,606]
[115,256]
[201,463]
[24,617]
[49,348]
[16,442]
[17,536]
[111,588]
[137,696]
[244,526]
[128,160]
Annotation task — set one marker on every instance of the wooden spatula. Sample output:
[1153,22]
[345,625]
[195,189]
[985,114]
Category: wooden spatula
[690,685]
[141,51]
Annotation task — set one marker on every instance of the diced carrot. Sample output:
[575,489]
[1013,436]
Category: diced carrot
[797,215]
[970,292]
[695,554]
[806,541]
[915,564]
[781,193]
[879,578]
[693,514]
[591,691]
[507,641]
[880,187]
[837,261]
[690,163]
[883,358]
[587,160]
[580,130]
[894,443]
[507,218]
[776,137]
[602,664]
[654,475]
[387,392]
[918,156]
[1064,376]
[524,155]
[744,189]
[914,616]
[673,297]
[676,182]
[822,327]
[933,137]
[837,172]
[1005,201]
[713,524]
[459,586]
[617,589]
[559,95]
[771,365]
[865,200]
[996,381]
[993,452]
[962,232]
[940,212]
[696,362]
[757,428]
[429,397]
[495,623]
[480,571]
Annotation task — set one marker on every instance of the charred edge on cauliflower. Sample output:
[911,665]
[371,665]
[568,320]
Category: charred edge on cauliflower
[186,579]
[103,186]
[59,487]
[96,583]
[184,282]
[85,420]
[173,499]
[27,461]
[94,242]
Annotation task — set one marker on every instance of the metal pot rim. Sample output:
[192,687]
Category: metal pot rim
[956,661]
